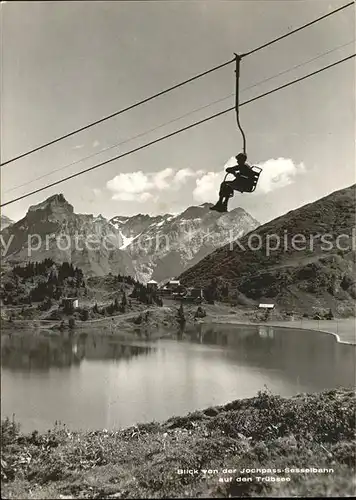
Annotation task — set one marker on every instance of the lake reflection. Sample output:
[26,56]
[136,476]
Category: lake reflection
[43,353]
[89,382]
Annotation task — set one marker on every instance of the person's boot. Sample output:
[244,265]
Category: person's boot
[224,207]
[220,207]
[217,206]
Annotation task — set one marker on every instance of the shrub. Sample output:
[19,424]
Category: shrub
[84,315]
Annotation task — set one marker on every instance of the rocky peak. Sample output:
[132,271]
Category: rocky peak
[54,207]
[196,211]
[57,232]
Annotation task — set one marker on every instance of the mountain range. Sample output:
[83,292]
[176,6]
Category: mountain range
[51,229]
[142,246]
[166,245]
[4,222]
[302,260]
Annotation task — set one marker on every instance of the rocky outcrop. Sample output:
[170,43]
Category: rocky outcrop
[4,222]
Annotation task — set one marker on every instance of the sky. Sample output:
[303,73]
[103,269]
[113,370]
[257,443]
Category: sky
[66,64]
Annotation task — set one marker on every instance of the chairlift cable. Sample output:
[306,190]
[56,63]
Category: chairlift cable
[200,75]
[189,113]
[265,45]
[188,127]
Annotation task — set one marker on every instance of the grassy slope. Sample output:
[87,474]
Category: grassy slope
[315,430]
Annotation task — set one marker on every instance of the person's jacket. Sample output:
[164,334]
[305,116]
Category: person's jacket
[244,169]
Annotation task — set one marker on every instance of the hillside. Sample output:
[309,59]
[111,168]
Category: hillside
[166,245]
[313,267]
[52,230]
[247,441]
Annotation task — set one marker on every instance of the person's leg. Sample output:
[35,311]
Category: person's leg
[221,196]
[225,193]
[225,201]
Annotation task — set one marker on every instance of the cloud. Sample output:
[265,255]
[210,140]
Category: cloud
[78,146]
[278,173]
[183,175]
[231,162]
[146,196]
[138,197]
[159,187]
[160,179]
[97,192]
[96,144]
[138,186]
[130,183]
[207,187]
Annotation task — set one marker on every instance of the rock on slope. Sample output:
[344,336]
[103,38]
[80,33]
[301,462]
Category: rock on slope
[55,231]
[315,269]
[164,246]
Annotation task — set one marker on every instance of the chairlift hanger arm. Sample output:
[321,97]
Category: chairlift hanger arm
[237,71]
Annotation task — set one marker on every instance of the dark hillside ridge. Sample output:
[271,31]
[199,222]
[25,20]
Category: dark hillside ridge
[313,265]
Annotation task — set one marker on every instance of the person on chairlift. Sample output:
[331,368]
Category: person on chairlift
[243,172]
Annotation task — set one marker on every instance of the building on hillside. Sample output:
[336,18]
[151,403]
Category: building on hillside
[194,295]
[267,309]
[173,285]
[266,306]
[165,291]
[70,304]
[152,285]
[172,288]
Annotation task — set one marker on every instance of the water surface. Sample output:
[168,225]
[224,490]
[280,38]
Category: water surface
[91,383]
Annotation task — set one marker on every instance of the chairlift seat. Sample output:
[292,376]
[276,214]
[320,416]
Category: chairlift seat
[244,184]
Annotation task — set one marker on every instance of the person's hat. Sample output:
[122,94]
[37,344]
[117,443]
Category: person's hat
[241,156]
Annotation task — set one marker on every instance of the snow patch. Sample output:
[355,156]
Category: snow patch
[127,241]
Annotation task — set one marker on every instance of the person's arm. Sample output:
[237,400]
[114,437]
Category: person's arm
[233,170]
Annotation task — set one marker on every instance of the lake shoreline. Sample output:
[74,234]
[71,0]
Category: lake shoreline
[282,324]
[153,323]
[154,459]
